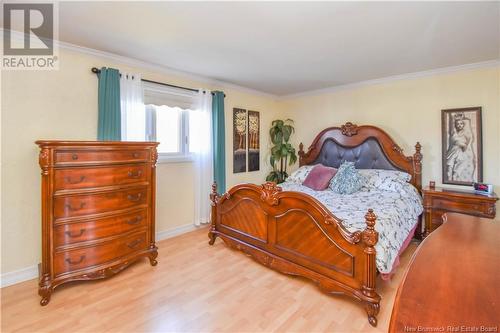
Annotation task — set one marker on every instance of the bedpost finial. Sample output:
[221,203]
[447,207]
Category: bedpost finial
[370,219]
[370,235]
[301,152]
[214,196]
[418,155]
[417,158]
[418,146]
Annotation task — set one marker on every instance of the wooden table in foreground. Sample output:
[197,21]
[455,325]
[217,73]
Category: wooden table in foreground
[453,281]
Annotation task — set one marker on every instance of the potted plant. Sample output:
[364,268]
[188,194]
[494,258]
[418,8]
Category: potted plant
[282,152]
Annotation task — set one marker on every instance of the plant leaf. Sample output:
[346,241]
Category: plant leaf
[275,151]
[282,152]
[286,133]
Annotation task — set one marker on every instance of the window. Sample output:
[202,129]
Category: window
[165,118]
[170,127]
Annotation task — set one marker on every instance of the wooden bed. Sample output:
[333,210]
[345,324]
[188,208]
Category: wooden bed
[295,234]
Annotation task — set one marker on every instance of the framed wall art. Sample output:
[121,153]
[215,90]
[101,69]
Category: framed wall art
[461,131]
[253,141]
[239,140]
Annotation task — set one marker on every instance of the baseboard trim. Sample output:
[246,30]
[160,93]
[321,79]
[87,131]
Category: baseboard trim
[161,235]
[21,275]
[31,272]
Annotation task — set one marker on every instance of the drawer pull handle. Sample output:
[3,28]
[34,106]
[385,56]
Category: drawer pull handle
[68,260]
[135,155]
[135,174]
[137,220]
[71,208]
[135,197]
[74,156]
[69,181]
[134,243]
[75,235]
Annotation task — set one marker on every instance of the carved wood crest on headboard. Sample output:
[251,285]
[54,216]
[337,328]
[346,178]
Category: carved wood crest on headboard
[362,143]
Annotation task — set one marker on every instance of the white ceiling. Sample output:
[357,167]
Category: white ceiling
[289,47]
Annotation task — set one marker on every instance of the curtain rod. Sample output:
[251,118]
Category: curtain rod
[96,70]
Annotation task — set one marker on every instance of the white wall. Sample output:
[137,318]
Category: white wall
[410,111]
[63,105]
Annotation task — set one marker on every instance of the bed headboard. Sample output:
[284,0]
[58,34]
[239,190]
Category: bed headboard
[369,147]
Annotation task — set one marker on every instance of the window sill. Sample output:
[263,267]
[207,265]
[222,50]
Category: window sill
[164,159]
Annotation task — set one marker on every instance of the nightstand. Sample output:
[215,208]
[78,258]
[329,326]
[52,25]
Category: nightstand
[438,201]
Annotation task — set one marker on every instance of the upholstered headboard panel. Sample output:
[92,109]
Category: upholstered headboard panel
[368,155]
[369,147]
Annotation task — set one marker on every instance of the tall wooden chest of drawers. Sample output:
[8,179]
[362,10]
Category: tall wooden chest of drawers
[98,209]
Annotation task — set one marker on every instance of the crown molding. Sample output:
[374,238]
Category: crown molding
[160,69]
[388,79]
[223,84]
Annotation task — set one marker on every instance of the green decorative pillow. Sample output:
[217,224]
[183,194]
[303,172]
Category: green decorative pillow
[347,180]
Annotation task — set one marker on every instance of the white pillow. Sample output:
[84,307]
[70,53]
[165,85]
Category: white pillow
[299,175]
[386,180]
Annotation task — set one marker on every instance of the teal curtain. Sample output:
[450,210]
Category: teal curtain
[109,117]
[219,140]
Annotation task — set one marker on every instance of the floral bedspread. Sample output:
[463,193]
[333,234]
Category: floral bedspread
[397,214]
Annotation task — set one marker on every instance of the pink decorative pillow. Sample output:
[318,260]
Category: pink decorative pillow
[319,177]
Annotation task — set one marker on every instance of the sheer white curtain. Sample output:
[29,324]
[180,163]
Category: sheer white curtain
[200,132]
[132,108]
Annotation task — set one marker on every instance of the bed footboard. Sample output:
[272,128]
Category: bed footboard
[295,234]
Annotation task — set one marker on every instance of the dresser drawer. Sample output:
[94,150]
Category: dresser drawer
[66,157]
[75,259]
[71,233]
[464,206]
[85,204]
[77,178]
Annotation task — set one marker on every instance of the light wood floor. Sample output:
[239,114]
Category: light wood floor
[194,288]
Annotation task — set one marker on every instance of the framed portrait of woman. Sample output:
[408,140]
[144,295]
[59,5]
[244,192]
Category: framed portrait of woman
[462,146]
